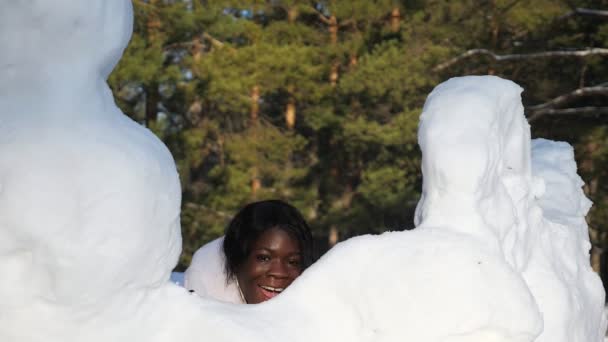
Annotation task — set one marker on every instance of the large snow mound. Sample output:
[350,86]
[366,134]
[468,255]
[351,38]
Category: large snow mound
[89,217]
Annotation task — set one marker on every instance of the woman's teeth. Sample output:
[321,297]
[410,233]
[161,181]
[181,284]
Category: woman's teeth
[272,289]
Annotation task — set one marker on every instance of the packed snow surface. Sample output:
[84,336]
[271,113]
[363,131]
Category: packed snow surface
[205,274]
[89,217]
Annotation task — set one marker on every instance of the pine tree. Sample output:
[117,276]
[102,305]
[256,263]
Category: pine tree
[317,102]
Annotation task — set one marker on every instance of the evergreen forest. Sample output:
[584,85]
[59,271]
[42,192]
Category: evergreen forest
[317,102]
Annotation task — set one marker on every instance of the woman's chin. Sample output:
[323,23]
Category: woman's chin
[261,295]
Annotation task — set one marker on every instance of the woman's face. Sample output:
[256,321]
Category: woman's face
[272,265]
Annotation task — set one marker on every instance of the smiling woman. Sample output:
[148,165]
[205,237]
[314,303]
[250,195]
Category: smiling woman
[273,264]
[266,247]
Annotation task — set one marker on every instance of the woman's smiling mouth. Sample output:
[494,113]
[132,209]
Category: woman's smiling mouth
[269,291]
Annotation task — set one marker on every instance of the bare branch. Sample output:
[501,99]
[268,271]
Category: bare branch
[585,11]
[324,19]
[534,112]
[515,57]
[328,21]
[215,42]
[321,15]
[560,100]
[568,111]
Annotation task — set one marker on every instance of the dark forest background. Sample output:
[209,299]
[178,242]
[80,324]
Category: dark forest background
[317,102]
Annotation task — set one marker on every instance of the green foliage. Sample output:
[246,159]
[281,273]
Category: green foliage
[219,82]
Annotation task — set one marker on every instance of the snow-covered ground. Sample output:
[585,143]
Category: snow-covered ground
[89,217]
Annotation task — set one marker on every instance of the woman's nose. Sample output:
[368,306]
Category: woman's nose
[278,269]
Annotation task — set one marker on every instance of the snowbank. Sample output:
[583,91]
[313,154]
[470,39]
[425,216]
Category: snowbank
[89,217]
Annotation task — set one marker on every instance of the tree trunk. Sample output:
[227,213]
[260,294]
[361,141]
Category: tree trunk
[256,183]
[290,110]
[395,20]
[292,14]
[255,105]
[334,73]
[587,166]
[333,30]
[343,203]
[196,49]
[290,113]
[152,100]
[596,256]
[494,25]
[153,24]
[220,147]
[333,237]
[354,60]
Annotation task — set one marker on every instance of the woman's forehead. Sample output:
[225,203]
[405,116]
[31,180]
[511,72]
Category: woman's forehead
[276,239]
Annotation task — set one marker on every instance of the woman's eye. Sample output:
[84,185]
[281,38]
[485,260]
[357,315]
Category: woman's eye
[262,257]
[294,262]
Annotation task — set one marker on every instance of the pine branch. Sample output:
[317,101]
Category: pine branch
[205,36]
[516,57]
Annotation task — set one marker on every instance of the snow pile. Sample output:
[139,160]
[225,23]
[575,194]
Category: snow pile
[558,273]
[89,200]
[89,217]
[204,275]
[525,202]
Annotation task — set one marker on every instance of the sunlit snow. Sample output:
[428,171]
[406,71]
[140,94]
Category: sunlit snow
[89,217]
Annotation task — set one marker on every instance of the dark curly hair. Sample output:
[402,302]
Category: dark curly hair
[254,219]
